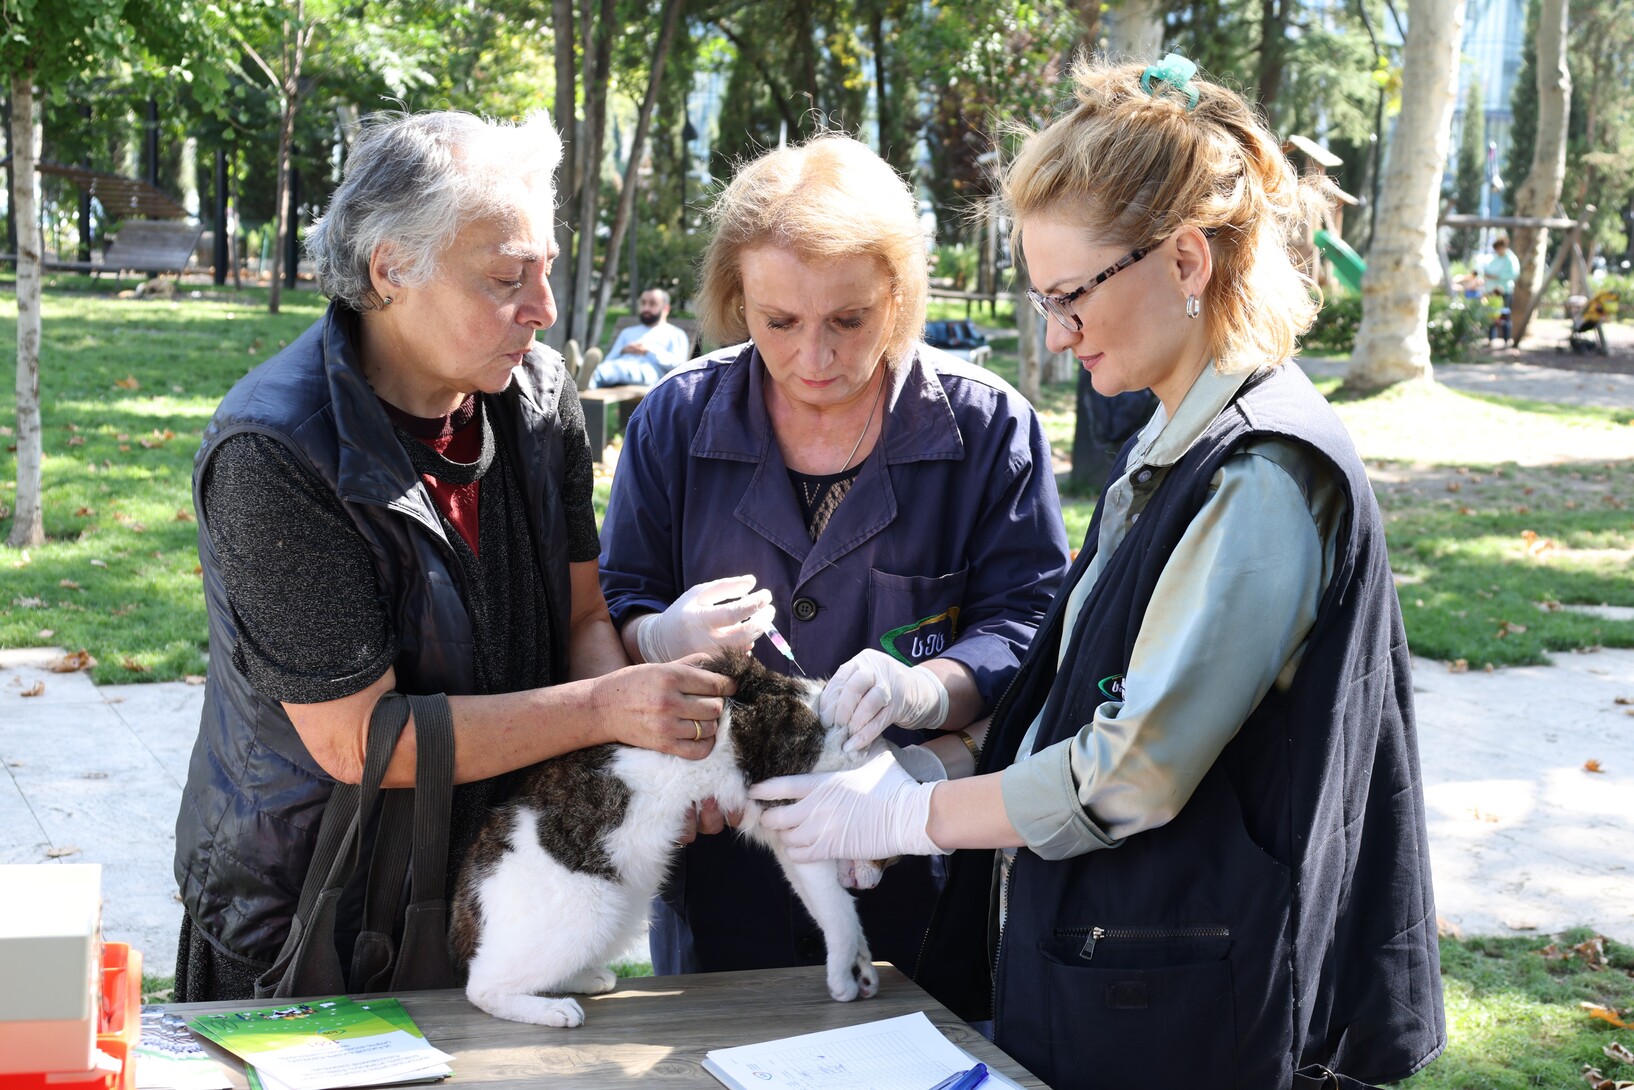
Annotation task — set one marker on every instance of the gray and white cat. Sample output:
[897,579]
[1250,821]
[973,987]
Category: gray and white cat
[561,876]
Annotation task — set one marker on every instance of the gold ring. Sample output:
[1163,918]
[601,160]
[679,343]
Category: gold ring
[697,731]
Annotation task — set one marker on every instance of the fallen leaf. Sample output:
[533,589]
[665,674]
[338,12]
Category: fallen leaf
[1454,486]
[1507,628]
[193,679]
[1458,666]
[61,853]
[33,690]
[1553,952]
[1466,511]
[1619,1052]
[1624,700]
[1592,765]
[184,516]
[85,512]
[128,383]
[124,448]
[74,661]
[1607,1014]
[99,563]
[76,440]
[1536,545]
[1593,953]
[46,633]
[132,665]
[69,584]
[28,603]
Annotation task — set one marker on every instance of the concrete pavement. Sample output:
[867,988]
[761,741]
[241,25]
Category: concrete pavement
[1523,839]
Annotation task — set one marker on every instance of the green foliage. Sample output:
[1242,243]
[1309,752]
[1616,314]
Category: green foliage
[958,262]
[1513,1016]
[1455,327]
[1470,178]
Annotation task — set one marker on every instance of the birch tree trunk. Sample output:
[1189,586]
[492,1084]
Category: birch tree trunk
[1393,343]
[1134,31]
[28,522]
[1539,194]
[638,147]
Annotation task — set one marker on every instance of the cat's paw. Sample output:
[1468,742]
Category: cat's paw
[859,873]
[562,1013]
[596,980]
[856,978]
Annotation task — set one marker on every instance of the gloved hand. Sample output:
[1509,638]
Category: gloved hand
[872,690]
[719,614]
[873,812]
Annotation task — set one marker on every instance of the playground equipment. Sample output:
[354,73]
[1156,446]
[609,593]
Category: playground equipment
[1348,265]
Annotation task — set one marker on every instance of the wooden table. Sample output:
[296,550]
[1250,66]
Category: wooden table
[653,1031]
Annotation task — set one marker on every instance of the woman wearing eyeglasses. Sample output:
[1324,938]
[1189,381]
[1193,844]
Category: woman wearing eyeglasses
[1204,780]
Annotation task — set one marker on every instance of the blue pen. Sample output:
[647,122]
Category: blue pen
[964,1080]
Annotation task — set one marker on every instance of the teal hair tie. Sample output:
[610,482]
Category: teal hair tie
[1177,72]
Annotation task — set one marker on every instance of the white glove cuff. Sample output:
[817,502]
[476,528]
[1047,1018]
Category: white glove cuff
[918,827]
[920,763]
[932,717]
[646,638]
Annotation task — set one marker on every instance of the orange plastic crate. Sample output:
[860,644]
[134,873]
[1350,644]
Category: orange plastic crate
[119,1028]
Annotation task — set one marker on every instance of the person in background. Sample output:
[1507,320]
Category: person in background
[643,354]
[1205,778]
[400,503]
[895,507]
[1499,272]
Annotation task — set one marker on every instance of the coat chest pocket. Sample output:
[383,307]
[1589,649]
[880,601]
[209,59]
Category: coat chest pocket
[913,618]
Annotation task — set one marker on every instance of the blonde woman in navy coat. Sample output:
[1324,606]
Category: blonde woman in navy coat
[889,506]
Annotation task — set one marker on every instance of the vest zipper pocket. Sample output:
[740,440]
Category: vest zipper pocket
[1093,935]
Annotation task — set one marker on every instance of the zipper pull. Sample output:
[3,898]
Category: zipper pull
[1088,952]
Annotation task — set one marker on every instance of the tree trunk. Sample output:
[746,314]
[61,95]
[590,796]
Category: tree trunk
[296,37]
[1540,192]
[561,274]
[1273,50]
[1029,371]
[626,196]
[28,521]
[1393,343]
[876,35]
[1134,30]
[595,125]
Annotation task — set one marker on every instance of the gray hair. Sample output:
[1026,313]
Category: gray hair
[413,180]
[660,292]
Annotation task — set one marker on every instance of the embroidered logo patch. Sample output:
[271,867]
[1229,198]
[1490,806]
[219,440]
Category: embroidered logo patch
[1111,687]
[923,639]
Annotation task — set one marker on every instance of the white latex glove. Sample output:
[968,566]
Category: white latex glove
[872,690]
[873,812]
[709,616]
[920,762]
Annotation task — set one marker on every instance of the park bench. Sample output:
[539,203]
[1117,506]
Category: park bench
[149,246]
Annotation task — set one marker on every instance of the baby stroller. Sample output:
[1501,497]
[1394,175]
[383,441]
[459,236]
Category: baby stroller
[1588,320]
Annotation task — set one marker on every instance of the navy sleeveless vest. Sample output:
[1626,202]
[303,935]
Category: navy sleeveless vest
[1284,920]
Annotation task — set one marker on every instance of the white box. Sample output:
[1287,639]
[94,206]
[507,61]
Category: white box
[50,958]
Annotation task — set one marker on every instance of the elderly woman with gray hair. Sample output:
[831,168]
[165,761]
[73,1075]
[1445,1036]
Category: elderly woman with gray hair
[400,503]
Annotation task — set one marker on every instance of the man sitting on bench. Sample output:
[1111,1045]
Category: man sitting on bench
[643,354]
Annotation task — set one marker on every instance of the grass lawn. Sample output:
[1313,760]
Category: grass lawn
[1498,511]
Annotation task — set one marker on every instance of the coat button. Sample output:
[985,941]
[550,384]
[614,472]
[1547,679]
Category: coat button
[804,609]
[1143,476]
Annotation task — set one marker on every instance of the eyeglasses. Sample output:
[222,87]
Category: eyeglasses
[1059,307]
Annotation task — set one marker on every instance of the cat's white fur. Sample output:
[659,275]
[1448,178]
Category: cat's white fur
[548,929]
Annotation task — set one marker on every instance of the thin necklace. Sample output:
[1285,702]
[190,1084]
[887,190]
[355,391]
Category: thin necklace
[866,424]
